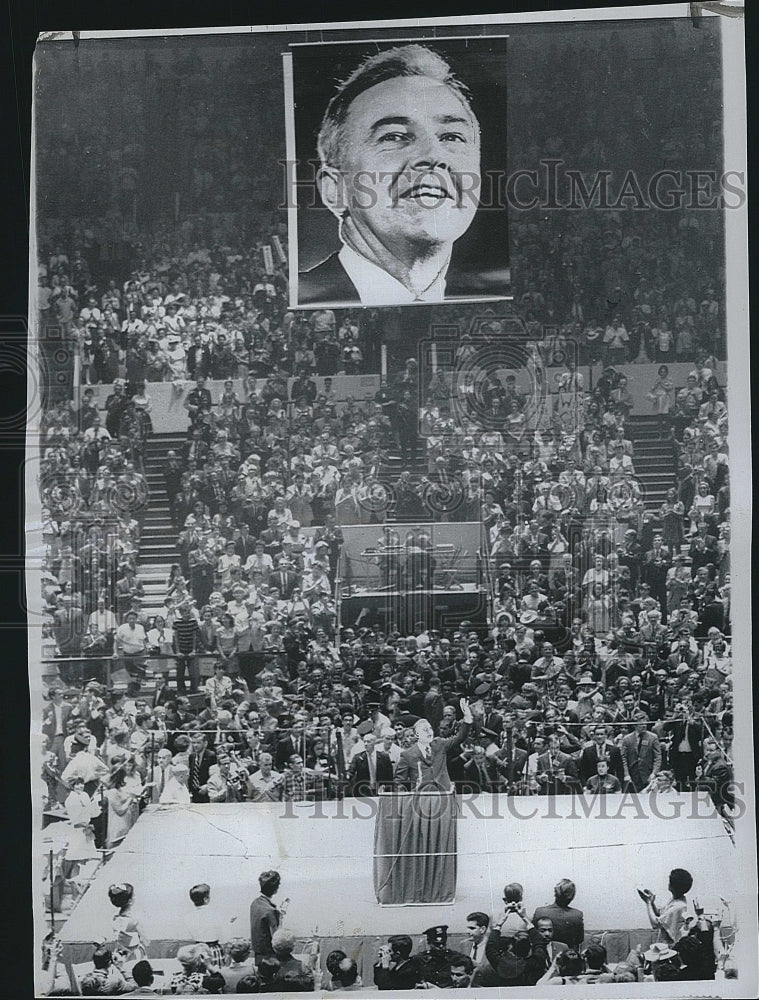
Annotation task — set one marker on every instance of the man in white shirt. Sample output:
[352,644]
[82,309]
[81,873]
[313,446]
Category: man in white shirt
[265,784]
[400,170]
[389,746]
[477,924]
[103,617]
[131,643]
[131,639]
[96,431]
[84,765]
[620,461]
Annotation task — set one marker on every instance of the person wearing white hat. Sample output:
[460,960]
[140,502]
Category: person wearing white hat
[176,357]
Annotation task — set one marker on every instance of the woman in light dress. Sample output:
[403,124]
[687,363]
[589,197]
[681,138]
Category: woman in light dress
[81,810]
[123,806]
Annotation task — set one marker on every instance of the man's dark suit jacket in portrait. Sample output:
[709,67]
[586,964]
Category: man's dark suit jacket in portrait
[328,283]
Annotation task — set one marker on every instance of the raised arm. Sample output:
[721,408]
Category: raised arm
[463,728]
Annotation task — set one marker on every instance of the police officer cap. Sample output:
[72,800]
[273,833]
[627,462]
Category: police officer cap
[438,934]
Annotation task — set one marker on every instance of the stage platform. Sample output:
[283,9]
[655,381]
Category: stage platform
[403,609]
[324,854]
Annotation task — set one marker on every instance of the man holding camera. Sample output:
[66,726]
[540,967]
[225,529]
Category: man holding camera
[396,968]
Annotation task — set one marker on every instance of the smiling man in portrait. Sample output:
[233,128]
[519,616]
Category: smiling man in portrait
[399,151]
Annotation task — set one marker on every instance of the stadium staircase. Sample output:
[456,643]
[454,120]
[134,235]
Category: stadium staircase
[654,459]
[158,538]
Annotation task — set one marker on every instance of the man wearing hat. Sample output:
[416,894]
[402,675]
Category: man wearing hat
[438,960]
[84,764]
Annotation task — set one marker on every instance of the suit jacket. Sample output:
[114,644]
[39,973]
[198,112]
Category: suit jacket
[568,923]
[563,761]
[358,776]
[519,758]
[200,451]
[680,729]
[717,779]
[473,778]
[207,759]
[412,765]
[655,576]
[328,282]
[284,581]
[403,976]
[245,547]
[264,920]
[162,696]
[547,951]
[433,708]
[198,361]
[675,659]
[642,761]
[589,760]
[48,725]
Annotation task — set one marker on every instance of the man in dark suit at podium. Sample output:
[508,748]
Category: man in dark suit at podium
[425,765]
[415,834]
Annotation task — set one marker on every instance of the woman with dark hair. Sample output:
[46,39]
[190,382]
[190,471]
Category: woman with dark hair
[662,393]
[594,958]
[81,810]
[669,920]
[128,936]
[226,642]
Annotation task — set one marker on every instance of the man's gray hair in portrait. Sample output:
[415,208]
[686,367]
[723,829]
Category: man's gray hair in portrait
[402,61]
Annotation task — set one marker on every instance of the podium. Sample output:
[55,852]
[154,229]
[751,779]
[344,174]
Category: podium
[415,848]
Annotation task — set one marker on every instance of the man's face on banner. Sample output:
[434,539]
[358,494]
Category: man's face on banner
[410,163]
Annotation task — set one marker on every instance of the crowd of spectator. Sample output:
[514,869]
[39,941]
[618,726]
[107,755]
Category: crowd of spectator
[606,663]
[507,949]
[657,295]
[187,308]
